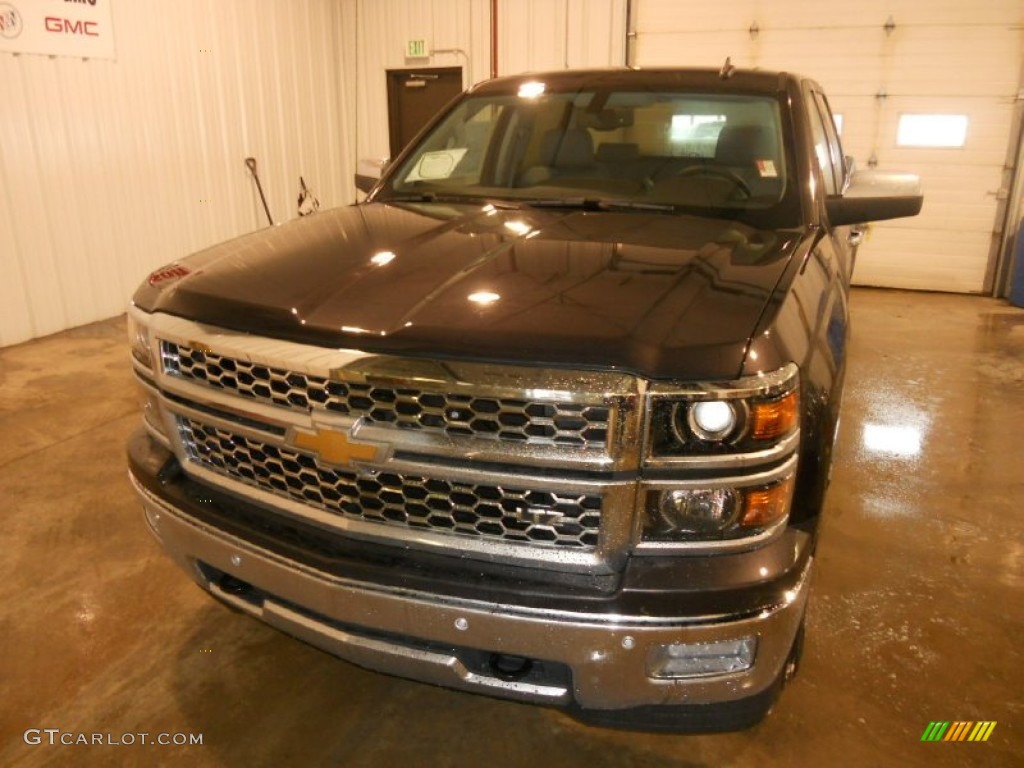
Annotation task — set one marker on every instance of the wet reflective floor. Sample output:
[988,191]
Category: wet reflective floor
[916,612]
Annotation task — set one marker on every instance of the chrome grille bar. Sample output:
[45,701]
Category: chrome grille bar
[531,420]
[541,518]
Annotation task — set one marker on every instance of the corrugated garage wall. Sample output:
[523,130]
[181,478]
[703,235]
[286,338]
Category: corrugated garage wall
[111,168]
[878,60]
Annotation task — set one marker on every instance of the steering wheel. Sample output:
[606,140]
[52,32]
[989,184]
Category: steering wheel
[721,173]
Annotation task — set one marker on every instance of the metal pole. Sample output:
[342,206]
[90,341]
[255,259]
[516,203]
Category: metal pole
[494,38]
[250,163]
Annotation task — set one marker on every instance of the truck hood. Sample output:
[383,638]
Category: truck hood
[664,296]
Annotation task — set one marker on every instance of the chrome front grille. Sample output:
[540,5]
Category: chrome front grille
[526,420]
[495,512]
[488,461]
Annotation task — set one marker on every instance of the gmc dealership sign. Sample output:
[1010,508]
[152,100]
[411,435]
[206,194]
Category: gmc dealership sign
[80,28]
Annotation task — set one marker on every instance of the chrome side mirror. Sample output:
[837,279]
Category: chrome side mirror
[368,172]
[874,196]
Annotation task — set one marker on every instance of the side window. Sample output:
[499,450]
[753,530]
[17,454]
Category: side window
[822,148]
[835,147]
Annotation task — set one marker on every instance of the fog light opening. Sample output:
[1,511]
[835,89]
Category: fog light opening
[233,586]
[686,660]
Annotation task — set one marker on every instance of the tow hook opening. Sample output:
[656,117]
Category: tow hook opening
[234,586]
[510,668]
[237,593]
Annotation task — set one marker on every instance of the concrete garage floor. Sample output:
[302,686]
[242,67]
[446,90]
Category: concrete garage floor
[916,612]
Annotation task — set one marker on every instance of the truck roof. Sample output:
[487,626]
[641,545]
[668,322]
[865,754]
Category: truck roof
[668,78]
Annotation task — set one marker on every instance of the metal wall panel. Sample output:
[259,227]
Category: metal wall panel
[939,56]
[597,33]
[109,169]
[674,16]
[533,35]
[536,35]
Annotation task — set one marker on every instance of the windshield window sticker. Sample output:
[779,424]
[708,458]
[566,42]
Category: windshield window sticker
[766,169]
[437,165]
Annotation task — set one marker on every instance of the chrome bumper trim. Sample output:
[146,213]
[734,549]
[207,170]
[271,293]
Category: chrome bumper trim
[442,669]
[607,654]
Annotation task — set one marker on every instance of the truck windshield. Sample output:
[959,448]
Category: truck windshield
[674,150]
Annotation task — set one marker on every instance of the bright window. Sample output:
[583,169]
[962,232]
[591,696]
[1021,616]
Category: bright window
[837,118]
[695,135]
[692,126]
[932,131]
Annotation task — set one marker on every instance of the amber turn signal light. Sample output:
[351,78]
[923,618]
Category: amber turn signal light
[764,506]
[774,418]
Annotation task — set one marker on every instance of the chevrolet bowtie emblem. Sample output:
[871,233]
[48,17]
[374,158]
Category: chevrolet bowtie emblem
[333,446]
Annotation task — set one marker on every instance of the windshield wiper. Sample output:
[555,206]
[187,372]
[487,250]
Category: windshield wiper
[600,204]
[413,197]
[574,203]
[435,197]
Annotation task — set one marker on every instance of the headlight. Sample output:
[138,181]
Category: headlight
[720,460]
[151,415]
[694,512]
[138,340]
[142,354]
[711,419]
[743,416]
[715,514]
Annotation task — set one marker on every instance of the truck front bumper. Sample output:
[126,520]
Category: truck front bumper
[591,661]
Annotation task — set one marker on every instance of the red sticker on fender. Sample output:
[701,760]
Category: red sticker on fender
[173,272]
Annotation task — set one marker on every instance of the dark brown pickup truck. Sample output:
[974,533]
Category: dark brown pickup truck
[549,416]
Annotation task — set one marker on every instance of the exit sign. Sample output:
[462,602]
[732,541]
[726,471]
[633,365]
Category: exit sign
[416,49]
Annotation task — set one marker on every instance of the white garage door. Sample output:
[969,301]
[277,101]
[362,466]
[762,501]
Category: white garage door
[882,62]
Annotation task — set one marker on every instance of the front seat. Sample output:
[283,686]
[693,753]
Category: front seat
[750,151]
[567,153]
